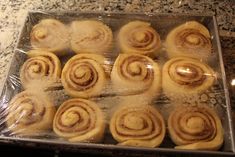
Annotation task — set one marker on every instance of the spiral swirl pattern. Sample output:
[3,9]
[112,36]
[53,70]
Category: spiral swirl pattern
[40,65]
[183,75]
[79,120]
[191,39]
[50,35]
[196,127]
[29,114]
[89,36]
[139,38]
[133,74]
[84,76]
[138,126]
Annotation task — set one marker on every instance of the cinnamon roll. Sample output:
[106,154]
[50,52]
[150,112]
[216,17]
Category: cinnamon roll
[195,127]
[79,120]
[190,39]
[139,37]
[84,75]
[41,67]
[50,35]
[135,74]
[29,113]
[140,125]
[90,36]
[184,76]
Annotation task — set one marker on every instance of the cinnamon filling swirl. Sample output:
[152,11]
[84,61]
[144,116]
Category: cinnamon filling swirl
[135,74]
[50,35]
[29,113]
[139,37]
[90,36]
[184,76]
[79,120]
[84,75]
[190,39]
[192,127]
[136,68]
[187,74]
[138,126]
[40,66]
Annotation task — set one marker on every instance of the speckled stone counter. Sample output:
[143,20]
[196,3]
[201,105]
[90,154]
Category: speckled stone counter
[13,12]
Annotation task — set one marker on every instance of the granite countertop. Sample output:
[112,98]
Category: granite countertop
[13,12]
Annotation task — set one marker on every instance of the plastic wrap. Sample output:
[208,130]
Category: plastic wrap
[73,73]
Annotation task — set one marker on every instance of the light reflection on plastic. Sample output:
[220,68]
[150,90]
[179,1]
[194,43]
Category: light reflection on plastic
[233,82]
[215,75]
[107,62]
[4,102]
[187,70]
[149,66]
[209,74]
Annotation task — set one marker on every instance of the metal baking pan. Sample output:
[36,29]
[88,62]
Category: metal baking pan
[163,23]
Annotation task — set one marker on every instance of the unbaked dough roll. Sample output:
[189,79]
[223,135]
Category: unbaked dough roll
[139,37]
[195,127]
[190,39]
[184,76]
[84,75]
[90,36]
[50,35]
[135,74]
[30,113]
[42,67]
[138,125]
[79,120]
